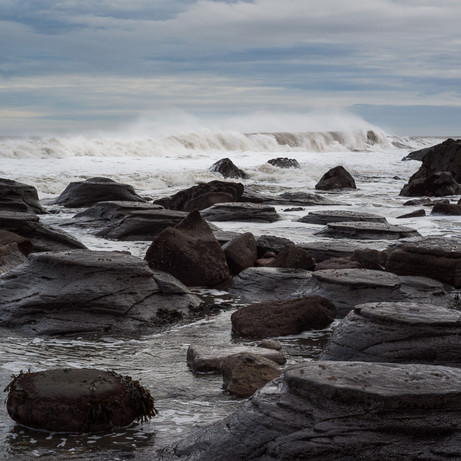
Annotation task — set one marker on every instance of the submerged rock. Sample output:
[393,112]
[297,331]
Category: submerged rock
[336,178]
[284,162]
[398,332]
[77,400]
[86,193]
[338,411]
[16,196]
[81,291]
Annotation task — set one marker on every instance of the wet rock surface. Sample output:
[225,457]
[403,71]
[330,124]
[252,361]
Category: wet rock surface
[325,217]
[86,193]
[86,292]
[77,400]
[292,256]
[10,257]
[368,230]
[241,252]
[437,184]
[16,196]
[398,332]
[336,178]
[208,359]
[349,408]
[226,168]
[284,162]
[247,212]
[301,199]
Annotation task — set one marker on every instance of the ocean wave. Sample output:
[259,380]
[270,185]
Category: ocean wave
[193,141]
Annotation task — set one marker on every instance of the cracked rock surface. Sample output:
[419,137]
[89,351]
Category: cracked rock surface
[81,291]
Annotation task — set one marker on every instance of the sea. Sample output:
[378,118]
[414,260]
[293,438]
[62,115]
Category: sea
[157,165]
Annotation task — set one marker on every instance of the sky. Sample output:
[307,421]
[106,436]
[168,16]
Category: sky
[68,66]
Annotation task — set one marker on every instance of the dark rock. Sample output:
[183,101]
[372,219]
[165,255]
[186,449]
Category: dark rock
[421,201]
[247,212]
[203,196]
[300,199]
[19,197]
[338,263]
[24,244]
[417,154]
[336,178]
[77,400]
[292,256]
[282,318]
[437,257]
[326,217]
[43,237]
[243,374]
[81,291]
[437,184]
[10,257]
[270,243]
[241,252]
[284,162]
[226,167]
[209,359]
[86,193]
[398,332]
[367,230]
[270,344]
[414,214]
[447,209]
[190,252]
[142,225]
[326,410]
[370,259]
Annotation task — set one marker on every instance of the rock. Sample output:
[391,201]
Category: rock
[435,257]
[449,209]
[417,154]
[85,292]
[436,184]
[19,197]
[282,318]
[190,252]
[370,259]
[292,256]
[86,193]
[270,243]
[241,252]
[270,344]
[284,162]
[336,178]
[77,400]
[209,359]
[367,230]
[339,411]
[42,237]
[338,263]
[10,257]
[398,332]
[247,212]
[420,201]
[226,168]
[24,244]
[261,284]
[203,196]
[326,217]
[243,374]
[413,214]
[142,225]
[301,199]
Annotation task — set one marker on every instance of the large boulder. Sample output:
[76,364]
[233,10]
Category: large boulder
[77,400]
[339,411]
[437,184]
[292,256]
[398,332]
[247,212]
[203,196]
[241,252]
[226,168]
[336,178]
[16,196]
[86,193]
[190,252]
[282,318]
[81,291]
[446,209]
[435,257]
[42,237]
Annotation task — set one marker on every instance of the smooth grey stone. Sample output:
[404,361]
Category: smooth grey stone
[326,217]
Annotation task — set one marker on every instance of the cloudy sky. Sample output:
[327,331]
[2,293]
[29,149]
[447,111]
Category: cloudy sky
[74,65]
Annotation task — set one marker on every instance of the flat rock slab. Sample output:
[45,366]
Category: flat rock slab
[398,332]
[301,199]
[209,359]
[437,257]
[43,237]
[247,212]
[326,217]
[368,230]
[77,292]
[77,400]
[336,410]
[142,225]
